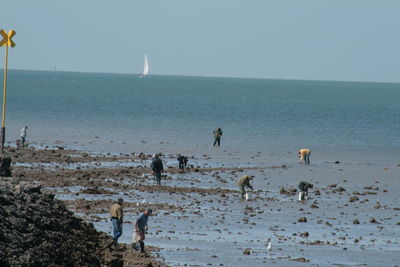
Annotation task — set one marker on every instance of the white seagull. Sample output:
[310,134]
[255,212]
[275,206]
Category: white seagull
[268,244]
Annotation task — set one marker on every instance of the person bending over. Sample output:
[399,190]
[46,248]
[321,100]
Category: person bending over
[304,155]
[243,182]
[182,162]
[304,186]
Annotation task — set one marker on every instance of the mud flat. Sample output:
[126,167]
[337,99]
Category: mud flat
[351,218]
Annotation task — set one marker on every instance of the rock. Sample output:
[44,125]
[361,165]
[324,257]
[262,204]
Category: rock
[353,199]
[304,234]
[247,251]
[373,220]
[302,219]
[38,230]
[5,167]
[300,259]
[356,221]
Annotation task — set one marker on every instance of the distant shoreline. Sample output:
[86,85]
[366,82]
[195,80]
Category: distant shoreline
[200,76]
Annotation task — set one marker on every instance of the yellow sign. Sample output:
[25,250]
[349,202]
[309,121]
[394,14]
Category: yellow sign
[6,41]
[7,38]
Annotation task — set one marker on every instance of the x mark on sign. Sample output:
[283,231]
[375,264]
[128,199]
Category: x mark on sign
[7,38]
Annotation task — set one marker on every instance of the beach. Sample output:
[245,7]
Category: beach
[350,219]
[91,137]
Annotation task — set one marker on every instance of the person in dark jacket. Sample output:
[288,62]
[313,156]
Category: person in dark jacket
[157,168]
[243,182]
[140,230]
[182,162]
[217,136]
[304,186]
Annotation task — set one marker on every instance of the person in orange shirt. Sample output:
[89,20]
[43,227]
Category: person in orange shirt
[304,155]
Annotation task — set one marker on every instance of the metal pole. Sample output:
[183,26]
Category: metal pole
[3,117]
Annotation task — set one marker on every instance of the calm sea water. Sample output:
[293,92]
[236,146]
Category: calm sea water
[124,113]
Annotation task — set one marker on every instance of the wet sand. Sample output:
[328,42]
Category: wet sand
[351,218]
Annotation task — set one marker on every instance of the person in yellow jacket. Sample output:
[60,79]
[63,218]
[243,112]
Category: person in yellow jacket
[117,219]
[304,155]
[243,182]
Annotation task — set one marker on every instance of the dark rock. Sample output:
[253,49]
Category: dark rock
[38,230]
[353,199]
[5,167]
[305,234]
[373,220]
[302,219]
[247,251]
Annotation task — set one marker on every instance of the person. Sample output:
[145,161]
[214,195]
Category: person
[304,186]
[117,219]
[217,136]
[243,182]
[157,168]
[182,162]
[140,230]
[23,135]
[304,155]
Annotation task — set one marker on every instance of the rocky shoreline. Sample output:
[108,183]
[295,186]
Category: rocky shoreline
[36,229]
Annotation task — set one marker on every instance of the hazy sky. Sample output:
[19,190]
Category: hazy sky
[356,40]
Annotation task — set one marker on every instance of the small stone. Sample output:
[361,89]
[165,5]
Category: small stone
[373,220]
[353,199]
[302,219]
[305,234]
[247,251]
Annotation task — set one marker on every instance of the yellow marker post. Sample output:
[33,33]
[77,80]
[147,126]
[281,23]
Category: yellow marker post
[6,41]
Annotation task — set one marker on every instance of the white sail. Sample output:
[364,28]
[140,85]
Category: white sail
[146,66]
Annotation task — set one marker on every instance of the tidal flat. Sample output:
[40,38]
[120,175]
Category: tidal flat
[351,217]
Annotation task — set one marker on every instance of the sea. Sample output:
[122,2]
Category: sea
[122,113]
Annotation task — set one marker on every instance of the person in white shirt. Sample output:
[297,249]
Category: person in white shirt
[23,135]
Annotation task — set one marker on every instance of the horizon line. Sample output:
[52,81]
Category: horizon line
[204,76]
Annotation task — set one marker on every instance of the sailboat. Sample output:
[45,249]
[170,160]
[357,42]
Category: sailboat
[145,67]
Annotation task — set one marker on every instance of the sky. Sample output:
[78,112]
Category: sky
[344,40]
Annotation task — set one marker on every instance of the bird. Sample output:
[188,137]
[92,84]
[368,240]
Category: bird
[268,244]
[144,201]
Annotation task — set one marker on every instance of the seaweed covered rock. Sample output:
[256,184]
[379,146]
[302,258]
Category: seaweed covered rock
[38,230]
[5,166]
